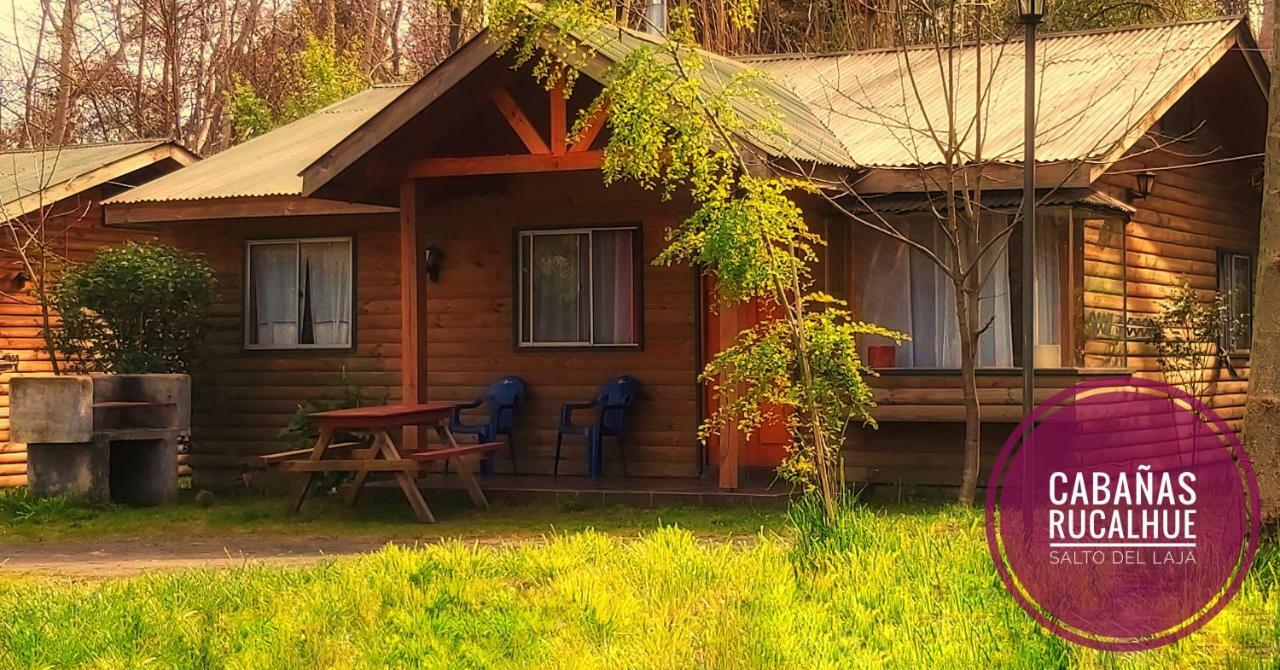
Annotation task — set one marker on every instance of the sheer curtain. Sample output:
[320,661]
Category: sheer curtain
[273,276]
[1048,286]
[904,290]
[613,292]
[327,292]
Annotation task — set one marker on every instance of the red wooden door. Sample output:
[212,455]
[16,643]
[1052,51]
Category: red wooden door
[766,447]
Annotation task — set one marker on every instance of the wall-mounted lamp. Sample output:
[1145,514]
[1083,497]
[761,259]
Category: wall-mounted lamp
[431,262]
[1145,183]
[21,280]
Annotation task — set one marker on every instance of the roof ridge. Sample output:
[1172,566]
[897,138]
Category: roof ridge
[797,55]
[87,145]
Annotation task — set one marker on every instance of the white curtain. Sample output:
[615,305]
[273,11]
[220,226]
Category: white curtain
[613,291]
[1048,279]
[904,290]
[273,277]
[326,267]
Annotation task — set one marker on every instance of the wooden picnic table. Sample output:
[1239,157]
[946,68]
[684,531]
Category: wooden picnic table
[383,455]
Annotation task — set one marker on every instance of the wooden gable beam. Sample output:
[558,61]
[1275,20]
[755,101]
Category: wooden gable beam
[510,164]
[518,121]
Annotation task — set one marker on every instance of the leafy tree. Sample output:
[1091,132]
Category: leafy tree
[132,309]
[671,132]
[250,114]
[325,75]
[322,75]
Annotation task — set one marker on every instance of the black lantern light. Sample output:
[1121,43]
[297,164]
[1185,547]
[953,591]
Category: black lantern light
[431,262]
[1031,11]
[1145,183]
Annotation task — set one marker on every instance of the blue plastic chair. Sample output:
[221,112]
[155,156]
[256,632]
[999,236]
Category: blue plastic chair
[611,405]
[503,396]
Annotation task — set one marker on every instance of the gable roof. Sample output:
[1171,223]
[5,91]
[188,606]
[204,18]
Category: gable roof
[33,178]
[267,165]
[1101,90]
[802,135]
[867,109]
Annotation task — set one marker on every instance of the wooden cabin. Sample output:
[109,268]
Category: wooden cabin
[59,189]
[455,236]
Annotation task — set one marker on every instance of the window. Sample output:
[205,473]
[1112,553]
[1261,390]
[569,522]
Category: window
[902,289]
[578,288]
[298,294]
[1235,283]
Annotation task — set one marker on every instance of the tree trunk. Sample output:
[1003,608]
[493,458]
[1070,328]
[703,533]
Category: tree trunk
[1262,411]
[66,45]
[967,315]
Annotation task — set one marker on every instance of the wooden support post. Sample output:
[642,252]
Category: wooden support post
[413,351]
[731,438]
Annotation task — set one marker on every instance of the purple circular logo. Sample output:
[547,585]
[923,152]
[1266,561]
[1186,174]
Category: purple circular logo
[1122,514]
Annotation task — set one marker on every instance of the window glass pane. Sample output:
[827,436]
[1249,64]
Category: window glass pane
[326,293]
[1048,287]
[525,288]
[273,294]
[1239,300]
[557,269]
[902,289]
[613,286]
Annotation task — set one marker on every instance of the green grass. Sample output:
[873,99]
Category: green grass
[890,588]
[384,515]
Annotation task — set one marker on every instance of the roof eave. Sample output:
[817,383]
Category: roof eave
[149,155]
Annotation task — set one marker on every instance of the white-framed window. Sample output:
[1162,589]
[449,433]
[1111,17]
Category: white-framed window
[578,287]
[1235,283]
[298,293]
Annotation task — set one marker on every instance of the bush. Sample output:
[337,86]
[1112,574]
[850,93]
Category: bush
[138,308]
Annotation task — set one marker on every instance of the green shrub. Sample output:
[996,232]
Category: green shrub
[132,309]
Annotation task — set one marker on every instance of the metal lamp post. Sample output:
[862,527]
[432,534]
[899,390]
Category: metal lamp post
[1030,12]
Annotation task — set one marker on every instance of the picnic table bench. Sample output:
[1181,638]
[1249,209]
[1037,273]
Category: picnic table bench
[382,455]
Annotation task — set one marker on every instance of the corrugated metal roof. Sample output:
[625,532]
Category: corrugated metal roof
[800,134]
[1099,83]
[267,165]
[27,172]
[1002,200]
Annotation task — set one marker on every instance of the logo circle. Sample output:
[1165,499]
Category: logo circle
[1122,514]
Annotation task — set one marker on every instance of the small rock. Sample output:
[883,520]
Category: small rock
[204,498]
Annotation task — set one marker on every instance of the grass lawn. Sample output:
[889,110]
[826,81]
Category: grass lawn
[382,515]
[906,588]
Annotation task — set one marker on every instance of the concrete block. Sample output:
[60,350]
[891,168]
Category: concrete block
[49,409]
[79,470]
[174,389]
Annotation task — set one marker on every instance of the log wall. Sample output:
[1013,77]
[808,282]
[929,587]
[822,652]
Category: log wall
[75,229]
[469,328]
[241,400]
[1174,236]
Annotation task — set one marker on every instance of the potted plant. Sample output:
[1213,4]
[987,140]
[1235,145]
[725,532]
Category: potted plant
[109,427]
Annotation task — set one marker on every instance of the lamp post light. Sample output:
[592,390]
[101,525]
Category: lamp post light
[1030,12]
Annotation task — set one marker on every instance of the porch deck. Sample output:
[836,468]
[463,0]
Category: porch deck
[633,491]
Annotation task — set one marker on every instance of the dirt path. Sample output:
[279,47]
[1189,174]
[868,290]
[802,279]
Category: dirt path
[119,557]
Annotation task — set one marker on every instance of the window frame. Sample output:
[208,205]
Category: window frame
[519,288]
[246,277]
[1226,259]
